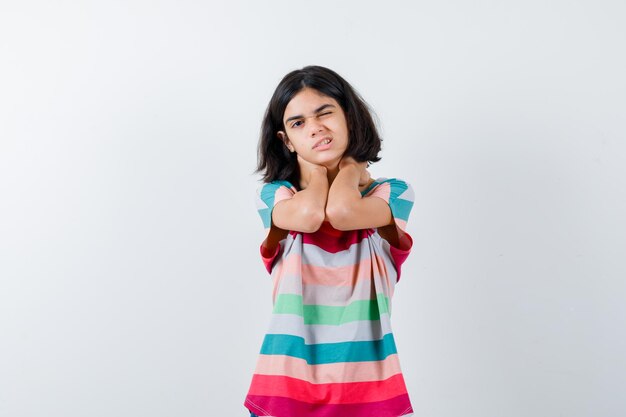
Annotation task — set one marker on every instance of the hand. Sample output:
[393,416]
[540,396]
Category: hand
[364,179]
[307,169]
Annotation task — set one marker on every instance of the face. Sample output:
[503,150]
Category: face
[310,117]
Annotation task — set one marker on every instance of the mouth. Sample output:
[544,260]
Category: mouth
[324,141]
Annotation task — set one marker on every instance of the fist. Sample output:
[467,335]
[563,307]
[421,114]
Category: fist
[365,175]
[364,179]
[348,160]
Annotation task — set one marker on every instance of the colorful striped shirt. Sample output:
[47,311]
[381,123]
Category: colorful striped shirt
[329,350]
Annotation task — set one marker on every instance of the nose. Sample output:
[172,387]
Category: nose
[315,126]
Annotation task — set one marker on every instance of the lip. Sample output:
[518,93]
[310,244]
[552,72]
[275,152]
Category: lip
[322,140]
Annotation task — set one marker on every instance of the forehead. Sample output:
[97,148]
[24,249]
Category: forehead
[306,101]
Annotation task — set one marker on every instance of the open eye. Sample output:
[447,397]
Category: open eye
[295,124]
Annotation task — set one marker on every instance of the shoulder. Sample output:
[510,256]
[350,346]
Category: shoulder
[273,185]
[268,191]
[391,189]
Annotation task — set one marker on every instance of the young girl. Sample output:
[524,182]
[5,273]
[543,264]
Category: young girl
[335,241]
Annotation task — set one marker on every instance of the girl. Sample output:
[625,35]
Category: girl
[335,240]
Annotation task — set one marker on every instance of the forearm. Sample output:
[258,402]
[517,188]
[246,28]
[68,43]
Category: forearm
[313,198]
[344,192]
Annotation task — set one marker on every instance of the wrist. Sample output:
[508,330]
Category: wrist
[318,175]
[351,170]
[349,166]
[320,170]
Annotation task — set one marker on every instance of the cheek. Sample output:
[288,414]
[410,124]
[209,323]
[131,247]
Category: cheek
[340,126]
[343,128]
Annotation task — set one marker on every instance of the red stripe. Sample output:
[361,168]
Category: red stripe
[326,237]
[399,255]
[331,393]
[333,240]
[268,256]
[287,407]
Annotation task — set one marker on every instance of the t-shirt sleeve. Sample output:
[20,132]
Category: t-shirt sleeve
[400,196]
[268,195]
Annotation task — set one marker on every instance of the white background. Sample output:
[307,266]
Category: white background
[131,282]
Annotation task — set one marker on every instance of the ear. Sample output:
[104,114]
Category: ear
[283,136]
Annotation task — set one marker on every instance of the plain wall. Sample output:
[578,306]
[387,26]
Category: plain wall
[131,282]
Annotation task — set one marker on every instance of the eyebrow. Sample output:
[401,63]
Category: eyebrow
[319,109]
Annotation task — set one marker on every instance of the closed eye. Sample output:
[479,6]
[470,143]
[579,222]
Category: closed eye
[295,124]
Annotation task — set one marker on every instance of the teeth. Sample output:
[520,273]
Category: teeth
[324,142]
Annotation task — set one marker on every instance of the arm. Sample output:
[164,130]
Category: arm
[304,212]
[347,210]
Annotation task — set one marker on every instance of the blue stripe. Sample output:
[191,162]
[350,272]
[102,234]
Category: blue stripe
[268,195]
[373,350]
[401,208]
[265,216]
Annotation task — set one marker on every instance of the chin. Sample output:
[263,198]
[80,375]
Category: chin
[330,163]
[327,160]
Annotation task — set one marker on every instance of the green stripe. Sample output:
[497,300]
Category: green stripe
[335,315]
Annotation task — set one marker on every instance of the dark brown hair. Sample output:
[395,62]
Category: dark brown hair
[364,143]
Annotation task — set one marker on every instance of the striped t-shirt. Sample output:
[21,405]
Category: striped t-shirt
[329,350]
